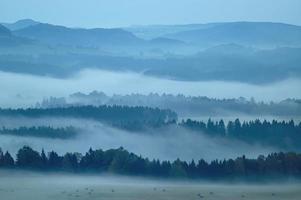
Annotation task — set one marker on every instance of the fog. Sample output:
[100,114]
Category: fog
[29,185]
[171,143]
[25,90]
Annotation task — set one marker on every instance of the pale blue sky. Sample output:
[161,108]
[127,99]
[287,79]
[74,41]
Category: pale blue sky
[114,13]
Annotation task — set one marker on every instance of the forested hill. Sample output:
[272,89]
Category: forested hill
[121,116]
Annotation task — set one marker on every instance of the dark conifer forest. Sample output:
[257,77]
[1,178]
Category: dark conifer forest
[277,133]
[120,161]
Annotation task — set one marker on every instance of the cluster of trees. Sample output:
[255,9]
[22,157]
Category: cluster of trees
[41,131]
[277,133]
[133,118]
[120,161]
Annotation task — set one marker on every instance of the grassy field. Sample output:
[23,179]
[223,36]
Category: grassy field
[29,186]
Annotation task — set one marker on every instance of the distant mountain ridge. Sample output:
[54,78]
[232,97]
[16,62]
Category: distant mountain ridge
[249,52]
[60,35]
[197,36]
[263,34]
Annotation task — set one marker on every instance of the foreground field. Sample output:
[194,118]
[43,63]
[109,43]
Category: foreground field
[24,185]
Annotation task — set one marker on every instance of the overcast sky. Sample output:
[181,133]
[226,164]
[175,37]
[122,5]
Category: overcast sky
[114,13]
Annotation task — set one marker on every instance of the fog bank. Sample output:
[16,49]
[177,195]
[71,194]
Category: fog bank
[165,144]
[28,185]
[25,90]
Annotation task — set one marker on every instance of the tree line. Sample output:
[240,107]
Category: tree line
[41,131]
[276,133]
[120,161]
[132,118]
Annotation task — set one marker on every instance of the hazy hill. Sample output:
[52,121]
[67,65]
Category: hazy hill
[60,35]
[20,24]
[244,33]
[112,40]
[226,62]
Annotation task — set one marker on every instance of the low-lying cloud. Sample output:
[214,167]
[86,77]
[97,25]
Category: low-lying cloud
[170,144]
[25,90]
